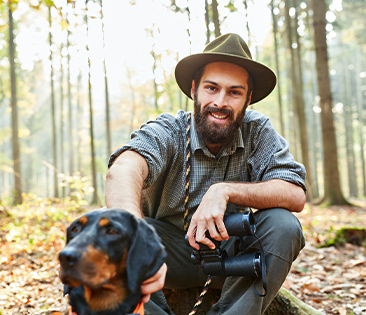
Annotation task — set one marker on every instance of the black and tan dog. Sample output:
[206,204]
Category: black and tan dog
[108,254]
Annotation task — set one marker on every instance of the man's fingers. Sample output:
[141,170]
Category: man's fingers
[155,283]
[191,233]
[145,298]
[221,229]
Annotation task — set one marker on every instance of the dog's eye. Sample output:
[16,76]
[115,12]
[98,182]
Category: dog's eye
[112,231]
[75,229]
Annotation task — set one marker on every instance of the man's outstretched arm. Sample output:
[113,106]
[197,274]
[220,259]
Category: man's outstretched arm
[125,179]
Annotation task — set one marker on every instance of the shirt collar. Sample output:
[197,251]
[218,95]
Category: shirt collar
[229,149]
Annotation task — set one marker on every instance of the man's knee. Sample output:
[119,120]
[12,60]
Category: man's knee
[281,232]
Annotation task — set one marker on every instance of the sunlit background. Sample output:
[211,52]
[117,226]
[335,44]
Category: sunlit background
[140,42]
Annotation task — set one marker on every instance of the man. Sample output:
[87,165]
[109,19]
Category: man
[236,160]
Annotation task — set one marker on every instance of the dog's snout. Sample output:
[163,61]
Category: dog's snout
[69,257]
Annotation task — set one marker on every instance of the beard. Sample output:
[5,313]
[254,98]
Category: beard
[212,133]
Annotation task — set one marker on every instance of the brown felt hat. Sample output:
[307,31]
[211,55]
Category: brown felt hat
[228,48]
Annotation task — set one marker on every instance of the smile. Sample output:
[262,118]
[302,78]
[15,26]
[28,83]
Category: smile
[219,116]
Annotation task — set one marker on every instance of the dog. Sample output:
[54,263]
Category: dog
[108,254]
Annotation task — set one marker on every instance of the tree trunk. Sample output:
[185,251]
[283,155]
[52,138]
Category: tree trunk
[207,20]
[274,22]
[348,118]
[332,189]
[70,116]
[249,41]
[62,151]
[53,114]
[133,99]
[360,101]
[215,18]
[297,90]
[107,110]
[79,120]
[14,114]
[91,126]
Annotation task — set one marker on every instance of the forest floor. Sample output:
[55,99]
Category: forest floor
[331,279]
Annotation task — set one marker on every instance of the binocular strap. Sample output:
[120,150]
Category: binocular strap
[264,268]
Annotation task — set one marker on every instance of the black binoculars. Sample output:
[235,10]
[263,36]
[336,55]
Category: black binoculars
[216,261]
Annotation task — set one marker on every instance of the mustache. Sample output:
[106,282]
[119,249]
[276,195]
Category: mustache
[214,109]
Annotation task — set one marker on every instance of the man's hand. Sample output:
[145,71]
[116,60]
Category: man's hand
[209,217]
[155,283]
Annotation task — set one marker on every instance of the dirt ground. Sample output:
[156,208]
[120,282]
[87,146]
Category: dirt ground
[331,279]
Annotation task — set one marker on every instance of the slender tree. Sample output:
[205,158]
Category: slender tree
[106,91]
[274,22]
[14,112]
[245,2]
[62,151]
[332,189]
[215,18]
[297,90]
[69,102]
[360,101]
[348,118]
[53,113]
[91,125]
[207,22]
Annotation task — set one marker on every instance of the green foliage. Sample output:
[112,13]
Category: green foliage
[231,6]
[80,188]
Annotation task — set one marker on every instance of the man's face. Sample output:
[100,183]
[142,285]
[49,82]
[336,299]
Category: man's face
[220,101]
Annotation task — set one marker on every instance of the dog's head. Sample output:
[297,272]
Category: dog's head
[109,253]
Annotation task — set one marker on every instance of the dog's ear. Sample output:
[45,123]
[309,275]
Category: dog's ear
[145,255]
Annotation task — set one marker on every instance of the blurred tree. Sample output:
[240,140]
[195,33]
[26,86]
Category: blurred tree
[53,111]
[274,27]
[70,129]
[348,124]
[297,86]
[207,22]
[62,150]
[106,91]
[360,110]
[91,125]
[332,189]
[14,111]
[215,18]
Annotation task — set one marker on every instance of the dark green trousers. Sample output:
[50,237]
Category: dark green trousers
[282,239]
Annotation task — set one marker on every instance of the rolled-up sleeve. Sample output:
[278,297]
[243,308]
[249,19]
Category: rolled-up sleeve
[270,157]
[157,142]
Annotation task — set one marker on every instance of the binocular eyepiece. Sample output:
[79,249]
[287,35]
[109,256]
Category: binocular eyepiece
[216,261]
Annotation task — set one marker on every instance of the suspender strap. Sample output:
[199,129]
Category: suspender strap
[188,170]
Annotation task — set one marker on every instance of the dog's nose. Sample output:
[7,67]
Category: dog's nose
[69,257]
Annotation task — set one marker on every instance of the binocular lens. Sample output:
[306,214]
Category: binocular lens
[240,224]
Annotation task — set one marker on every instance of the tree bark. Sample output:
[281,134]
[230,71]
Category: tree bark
[70,115]
[106,91]
[14,114]
[297,90]
[360,101]
[215,18]
[207,20]
[53,114]
[274,22]
[91,126]
[348,125]
[332,189]
[62,151]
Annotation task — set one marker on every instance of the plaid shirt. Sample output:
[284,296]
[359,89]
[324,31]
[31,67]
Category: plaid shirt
[256,153]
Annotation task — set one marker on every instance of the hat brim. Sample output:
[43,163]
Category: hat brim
[264,79]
